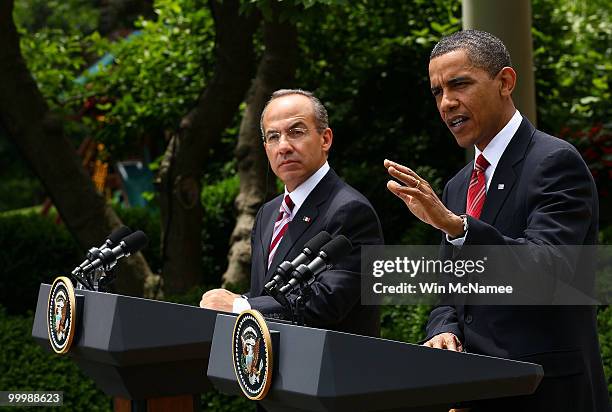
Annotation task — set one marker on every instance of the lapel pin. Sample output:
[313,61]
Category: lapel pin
[306,219]
[500,186]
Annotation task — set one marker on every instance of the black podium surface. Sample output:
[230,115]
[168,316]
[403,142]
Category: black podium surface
[137,348]
[321,370]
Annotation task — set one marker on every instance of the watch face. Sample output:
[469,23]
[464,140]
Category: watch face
[252,354]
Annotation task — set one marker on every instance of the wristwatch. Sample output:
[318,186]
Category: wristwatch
[464,219]
[465,223]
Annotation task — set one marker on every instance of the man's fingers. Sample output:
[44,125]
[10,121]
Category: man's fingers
[403,177]
[401,168]
[389,164]
[435,342]
[450,343]
[403,191]
[445,341]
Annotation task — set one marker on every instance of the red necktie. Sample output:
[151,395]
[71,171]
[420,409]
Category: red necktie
[280,227]
[477,191]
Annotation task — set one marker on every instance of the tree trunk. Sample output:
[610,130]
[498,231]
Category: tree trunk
[38,134]
[276,70]
[181,169]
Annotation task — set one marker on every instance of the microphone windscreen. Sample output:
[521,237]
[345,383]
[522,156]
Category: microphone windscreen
[318,241]
[337,248]
[135,241]
[118,234]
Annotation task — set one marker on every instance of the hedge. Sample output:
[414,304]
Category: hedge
[35,249]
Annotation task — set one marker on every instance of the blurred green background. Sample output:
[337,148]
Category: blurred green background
[367,61]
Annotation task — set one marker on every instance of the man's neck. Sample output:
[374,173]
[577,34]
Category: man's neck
[302,191]
[509,111]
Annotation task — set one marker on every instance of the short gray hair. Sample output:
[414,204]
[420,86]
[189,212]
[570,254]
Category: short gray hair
[321,119]
[484,50]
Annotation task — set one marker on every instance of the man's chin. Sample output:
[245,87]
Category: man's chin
[464,142]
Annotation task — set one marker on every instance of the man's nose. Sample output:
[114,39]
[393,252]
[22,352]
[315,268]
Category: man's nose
[448,102]
[283,144]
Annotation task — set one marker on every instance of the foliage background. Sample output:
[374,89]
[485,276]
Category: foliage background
[368,64]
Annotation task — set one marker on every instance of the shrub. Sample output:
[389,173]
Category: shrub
[404,323]
[604,324]
[26,366]
[33,249]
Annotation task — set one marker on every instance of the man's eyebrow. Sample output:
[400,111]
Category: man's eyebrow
[296,124]
[459,79]
[451,82]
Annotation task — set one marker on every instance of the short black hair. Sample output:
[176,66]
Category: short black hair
[484,50]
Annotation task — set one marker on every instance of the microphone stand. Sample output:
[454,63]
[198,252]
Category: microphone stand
[299,306]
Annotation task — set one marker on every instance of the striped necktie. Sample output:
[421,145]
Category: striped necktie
[477,191]
[280,227]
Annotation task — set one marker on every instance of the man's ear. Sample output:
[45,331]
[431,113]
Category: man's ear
[507,77]
[328,137]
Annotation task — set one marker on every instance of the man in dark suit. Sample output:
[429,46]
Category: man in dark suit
[297,140]
[523,188]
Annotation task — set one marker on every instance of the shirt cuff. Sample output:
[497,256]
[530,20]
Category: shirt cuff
[458,241]
[240,304]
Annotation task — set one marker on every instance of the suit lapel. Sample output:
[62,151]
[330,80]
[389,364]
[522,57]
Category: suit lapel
[504,177]
[461,200]
[304,218]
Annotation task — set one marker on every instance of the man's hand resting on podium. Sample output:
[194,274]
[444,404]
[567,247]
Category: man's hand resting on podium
[445,340]
[218,299]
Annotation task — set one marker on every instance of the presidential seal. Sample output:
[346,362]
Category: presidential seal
[252,354]
[61,310]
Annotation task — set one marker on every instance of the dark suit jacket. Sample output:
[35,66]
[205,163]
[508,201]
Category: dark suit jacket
[549,198]
[337,208]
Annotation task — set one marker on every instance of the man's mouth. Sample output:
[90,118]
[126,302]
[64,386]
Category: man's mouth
[457,121]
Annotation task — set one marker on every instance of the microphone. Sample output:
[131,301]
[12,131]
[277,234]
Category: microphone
[333,250]
[117,236]
[113,240]
[109,256]
[285,268]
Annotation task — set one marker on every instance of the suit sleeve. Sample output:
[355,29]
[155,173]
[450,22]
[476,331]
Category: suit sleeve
[254,232]
[443,318]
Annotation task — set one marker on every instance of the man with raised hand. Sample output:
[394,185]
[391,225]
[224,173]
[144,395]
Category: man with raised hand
[523,187]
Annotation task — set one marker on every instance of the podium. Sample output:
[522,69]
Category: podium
[321,370]
[159,356]
[149,355]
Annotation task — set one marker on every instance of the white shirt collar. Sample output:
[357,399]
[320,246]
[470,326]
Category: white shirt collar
[300,193]
[496,147]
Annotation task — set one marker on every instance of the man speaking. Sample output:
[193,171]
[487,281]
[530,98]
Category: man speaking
[297,140]
[524,187]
